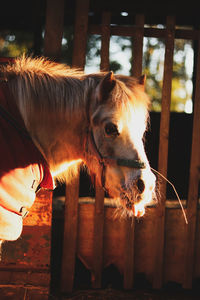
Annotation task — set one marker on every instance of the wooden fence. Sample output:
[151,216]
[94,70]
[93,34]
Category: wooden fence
[162,246]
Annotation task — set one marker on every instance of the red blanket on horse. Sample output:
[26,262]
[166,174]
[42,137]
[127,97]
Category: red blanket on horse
[22,167]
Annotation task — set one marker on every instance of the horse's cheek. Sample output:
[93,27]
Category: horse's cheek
[114,177]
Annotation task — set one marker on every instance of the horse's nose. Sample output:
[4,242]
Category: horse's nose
[140,185]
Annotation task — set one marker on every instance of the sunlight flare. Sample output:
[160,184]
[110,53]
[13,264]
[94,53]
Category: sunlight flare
[139,209]
[63,167]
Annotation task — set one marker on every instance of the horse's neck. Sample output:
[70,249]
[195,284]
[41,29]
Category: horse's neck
[59,144]
[58,135]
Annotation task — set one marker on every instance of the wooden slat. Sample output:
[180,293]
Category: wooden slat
[188,34]
[72,189]
[98,236]
[193,183]
[38,27]
[54,28]
[99,197]
[138,46]
[80,33]
[70,235]
[129,255]
[130,224]
[105,41]
[163,151]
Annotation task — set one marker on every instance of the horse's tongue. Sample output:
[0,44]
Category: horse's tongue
[10,225]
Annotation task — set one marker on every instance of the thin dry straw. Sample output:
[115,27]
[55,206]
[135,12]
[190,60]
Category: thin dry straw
[184,214]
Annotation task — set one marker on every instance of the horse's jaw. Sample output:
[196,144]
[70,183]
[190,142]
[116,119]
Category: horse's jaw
[60,148]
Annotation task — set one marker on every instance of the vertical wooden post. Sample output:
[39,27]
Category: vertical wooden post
[99,196]
[70,235]
[105,41]
[98,236]
[163,151]
[193,183]
[129,255]
[72,189]
[54,28]
[80,33]
[37,27]
[137,50]
[130,224]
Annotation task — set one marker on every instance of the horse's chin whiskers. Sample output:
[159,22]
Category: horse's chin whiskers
[132,203]
[117,213]
[122,213]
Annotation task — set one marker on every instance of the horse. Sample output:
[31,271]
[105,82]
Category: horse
[53,116]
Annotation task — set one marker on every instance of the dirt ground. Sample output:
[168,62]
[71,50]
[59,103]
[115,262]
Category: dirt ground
[111,294]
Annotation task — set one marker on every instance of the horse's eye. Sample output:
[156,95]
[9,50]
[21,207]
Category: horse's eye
[111,129]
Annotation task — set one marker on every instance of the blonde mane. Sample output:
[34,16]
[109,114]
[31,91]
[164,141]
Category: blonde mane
[42,85]
[60,87]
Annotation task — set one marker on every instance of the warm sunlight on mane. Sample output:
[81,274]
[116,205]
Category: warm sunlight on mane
[39,66]
[66,171]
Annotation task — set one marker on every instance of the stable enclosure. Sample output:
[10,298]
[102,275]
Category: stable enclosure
[158,249]
[160,245]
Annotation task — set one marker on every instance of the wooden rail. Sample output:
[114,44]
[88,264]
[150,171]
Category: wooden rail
[187,34]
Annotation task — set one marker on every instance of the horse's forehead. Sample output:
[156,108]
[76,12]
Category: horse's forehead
[132,121]
[130,113]
[126,114]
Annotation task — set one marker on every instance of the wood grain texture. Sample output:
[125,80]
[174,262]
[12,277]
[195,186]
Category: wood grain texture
[105,41]
[70,235]
[163,152]
[193,184]
[54,29]
[130,223]
[80,34]
[98,236]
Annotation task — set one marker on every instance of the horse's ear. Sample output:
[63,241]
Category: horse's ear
[142,80]
[106,85]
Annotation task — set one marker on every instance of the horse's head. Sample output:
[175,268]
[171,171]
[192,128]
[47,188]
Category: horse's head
[118,118]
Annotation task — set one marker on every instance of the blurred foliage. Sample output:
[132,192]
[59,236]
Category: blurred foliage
[15,43]
[67,46]
[153,66]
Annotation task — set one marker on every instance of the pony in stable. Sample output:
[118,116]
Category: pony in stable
[52,116]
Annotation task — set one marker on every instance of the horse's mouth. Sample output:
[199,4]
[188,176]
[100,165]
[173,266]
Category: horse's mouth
[132,204]
[128,201]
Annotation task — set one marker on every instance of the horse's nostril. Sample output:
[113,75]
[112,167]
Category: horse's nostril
[140,185]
